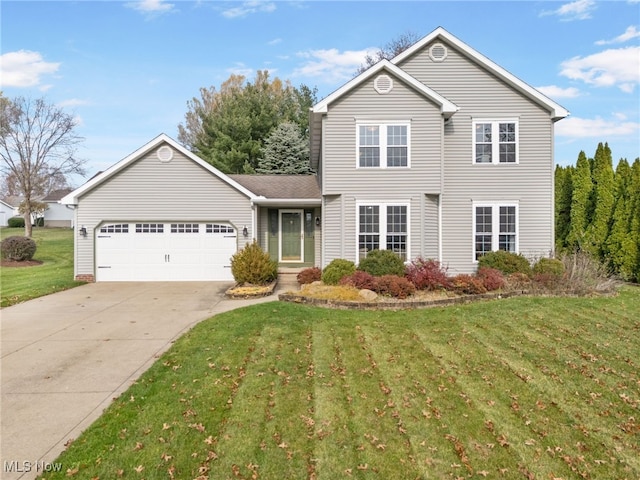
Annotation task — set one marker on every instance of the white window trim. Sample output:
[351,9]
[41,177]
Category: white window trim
[383,141]
[383,225]
[495,143]
[495,224]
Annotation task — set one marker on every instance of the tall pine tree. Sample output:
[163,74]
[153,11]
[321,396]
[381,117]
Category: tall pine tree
[563,194]
[601,203]
[285,151]
[580,203]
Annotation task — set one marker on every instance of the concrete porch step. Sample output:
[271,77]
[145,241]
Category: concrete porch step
[287,277]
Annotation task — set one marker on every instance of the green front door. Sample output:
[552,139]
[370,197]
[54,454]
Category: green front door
[292,238]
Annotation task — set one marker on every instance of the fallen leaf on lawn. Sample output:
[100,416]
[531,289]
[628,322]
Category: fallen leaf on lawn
[139,468]
[139,446]
[71,472]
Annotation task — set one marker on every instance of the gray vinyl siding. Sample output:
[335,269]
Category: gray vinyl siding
[345,186]
[479,94]
[149,190]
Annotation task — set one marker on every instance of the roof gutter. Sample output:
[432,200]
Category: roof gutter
[287,202]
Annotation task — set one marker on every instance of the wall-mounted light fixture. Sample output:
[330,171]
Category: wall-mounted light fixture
[317,221]
[245,232]
[83,231]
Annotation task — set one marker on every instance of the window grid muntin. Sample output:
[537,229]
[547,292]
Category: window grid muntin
[185,228]
[115,228]
[369,142]
[383,226]
[383,145]
[149,227]
[504,216]
[218,228]
[495,141]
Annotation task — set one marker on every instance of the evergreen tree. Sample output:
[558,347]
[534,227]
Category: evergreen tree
[285,151]
[563,193]
[582,187]
[601,203]
[619,248]
[228,127]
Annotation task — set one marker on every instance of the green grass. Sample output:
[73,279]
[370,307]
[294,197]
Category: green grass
[55,250]
[538,388]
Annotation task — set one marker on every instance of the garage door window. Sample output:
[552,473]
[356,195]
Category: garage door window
[116,228]
[149,227]
[217,228]
[185,228]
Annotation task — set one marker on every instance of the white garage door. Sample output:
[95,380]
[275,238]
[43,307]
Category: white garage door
[165,251]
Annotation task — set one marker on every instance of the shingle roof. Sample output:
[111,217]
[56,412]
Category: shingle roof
[281,186]
[57,195]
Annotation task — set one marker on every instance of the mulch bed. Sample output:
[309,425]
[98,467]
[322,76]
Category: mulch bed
[25,263]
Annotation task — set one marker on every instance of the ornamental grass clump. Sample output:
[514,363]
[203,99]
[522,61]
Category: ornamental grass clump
[254,266]
[18,249]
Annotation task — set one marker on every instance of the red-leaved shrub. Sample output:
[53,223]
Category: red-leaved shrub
[467,284]
[394,286]
[427,274]
[309,275]
[491,278]
[359,279]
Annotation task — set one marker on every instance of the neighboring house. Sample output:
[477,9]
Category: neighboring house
[438,153]
[6,212]
[57,214]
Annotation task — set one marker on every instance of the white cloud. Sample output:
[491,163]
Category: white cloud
[578,10]
[151,7]
[574,127]
[25,68]
[331,65]
[72,102]
[629,34]
[553,91]
[250,7]
[275,41]
[241,69]
[614,67]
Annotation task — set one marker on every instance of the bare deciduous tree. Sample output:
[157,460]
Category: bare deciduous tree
[37,142]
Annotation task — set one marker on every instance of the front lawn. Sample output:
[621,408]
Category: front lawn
[55,251]
[531,388]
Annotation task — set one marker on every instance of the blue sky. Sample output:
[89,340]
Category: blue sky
[126,70]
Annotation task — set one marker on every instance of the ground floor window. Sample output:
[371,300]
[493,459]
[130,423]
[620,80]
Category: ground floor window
[495,228]
[383,226]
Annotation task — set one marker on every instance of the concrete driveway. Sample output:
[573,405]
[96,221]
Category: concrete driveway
[67,355]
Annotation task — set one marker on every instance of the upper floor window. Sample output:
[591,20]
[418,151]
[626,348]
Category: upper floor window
[495,141]
[383,145]
[495,228]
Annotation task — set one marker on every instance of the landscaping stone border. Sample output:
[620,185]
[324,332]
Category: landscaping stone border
[261,291]
[393,305]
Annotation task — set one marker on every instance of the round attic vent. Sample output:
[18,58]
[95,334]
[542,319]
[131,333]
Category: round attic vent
[165,154]
[383,84]
[438,52]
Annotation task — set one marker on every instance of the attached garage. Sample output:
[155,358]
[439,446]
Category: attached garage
[160,214]
[165,251]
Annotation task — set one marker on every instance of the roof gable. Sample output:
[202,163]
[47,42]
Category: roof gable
[73,197]
[447,107]
[557,111]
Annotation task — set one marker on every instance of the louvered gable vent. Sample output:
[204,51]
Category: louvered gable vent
[383,84]
[438,52]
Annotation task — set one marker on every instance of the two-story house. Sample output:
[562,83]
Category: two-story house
[438,153]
